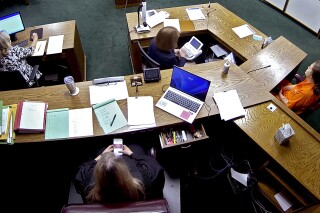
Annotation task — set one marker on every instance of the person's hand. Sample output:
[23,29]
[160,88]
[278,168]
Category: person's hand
[176,51]
[182,53]
[108,149]
[126,150]
[34,36]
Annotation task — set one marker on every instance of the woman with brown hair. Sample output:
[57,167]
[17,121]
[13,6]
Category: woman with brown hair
[163,50]
[112,178]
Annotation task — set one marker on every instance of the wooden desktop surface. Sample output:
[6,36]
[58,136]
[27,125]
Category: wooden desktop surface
[250,92]
[301,156]
[282,55]
[71,49]
[219,25]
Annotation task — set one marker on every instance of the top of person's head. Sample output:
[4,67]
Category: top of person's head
[114,182]
[316,72]
[5,42]
[167,38]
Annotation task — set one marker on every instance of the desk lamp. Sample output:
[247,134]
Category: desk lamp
[142,28]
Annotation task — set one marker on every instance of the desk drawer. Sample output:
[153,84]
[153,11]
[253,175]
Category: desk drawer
[181,135]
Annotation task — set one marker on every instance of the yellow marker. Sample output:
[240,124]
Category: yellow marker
[174,137]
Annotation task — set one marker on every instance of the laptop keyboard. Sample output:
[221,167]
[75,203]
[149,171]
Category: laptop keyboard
[182,101]
[187,51]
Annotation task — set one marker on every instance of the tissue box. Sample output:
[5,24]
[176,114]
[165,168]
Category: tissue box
[284,133]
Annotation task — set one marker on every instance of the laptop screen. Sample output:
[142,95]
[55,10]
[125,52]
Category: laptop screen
[189,83]
[195,43]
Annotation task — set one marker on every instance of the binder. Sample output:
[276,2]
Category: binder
[31,117]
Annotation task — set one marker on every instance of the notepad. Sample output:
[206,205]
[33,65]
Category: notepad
[110,116]
[39,50]
[57,124]
[140,110]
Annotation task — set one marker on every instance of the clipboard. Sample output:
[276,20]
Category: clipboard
[39,31]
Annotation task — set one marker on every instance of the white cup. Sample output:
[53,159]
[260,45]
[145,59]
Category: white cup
[69,81]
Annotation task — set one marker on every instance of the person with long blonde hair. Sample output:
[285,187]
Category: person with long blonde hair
[111,178]
[13,58]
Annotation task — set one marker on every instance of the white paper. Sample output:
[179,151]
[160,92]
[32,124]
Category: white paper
[195,14]
[5,112]
[242,178]
[55,44]
[243,30]
[172,22]
[140,110]
[157,18]
[218,50]
[284,203]
[39,50]
[80,122]
[100,93]
[230,58]
[32,115]
[229,105]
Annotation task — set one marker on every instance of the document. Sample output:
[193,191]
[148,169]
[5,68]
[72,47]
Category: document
[157,18]
[57,124]
[243,31]
[173,23]
[31,117]
[55,44]
[140,111]
[195,14]
[80,122]
[283,201]
[110,116]
[103,92]
[218,50]
[39,50]
[229,105]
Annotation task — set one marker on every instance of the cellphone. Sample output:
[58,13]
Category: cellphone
[117,145]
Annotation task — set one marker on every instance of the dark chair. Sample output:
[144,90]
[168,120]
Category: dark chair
[14,80]
[157,205]
[147,61]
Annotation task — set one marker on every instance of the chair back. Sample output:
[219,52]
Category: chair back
[14,80]
[147,61]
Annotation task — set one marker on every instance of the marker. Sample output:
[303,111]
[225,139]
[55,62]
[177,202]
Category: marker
[114,117]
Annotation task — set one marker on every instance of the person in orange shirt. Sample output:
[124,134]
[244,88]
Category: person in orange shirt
[301,96]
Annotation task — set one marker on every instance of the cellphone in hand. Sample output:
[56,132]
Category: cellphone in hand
[117,145]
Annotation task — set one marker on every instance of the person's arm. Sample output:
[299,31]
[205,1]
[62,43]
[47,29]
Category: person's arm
[282,98]
[288,87]
[34,40]
[108,149]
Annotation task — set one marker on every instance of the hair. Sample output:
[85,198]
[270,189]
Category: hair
[5,44]
[316,77]
[167,38]
[114,182]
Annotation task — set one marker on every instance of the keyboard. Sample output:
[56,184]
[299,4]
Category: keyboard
[182,101]
[187,51]
[22,43]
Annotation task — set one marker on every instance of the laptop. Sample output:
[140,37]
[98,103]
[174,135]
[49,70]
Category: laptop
[185,96]
[192,48]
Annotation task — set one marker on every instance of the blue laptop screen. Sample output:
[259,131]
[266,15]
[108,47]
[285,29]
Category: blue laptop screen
[189,83]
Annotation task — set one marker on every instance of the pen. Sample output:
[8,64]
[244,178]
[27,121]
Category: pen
[39,47]
[9,139]
[114,117]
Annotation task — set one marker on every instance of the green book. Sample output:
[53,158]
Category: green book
[110,116]
[57,124]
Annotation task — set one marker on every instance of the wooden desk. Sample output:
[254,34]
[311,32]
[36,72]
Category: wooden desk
[72,47]
[219,25]
[283,56]
[250,93]
[301,157]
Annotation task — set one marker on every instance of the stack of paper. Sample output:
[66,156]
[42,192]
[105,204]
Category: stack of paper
[8,114]
[243,30]
[31,117]
[63,123]
[100,93]
[229,105]
[195,14]
[140,112]
[172,23]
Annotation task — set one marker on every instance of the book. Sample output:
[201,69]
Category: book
[8,116]
[31,117]
[110,116]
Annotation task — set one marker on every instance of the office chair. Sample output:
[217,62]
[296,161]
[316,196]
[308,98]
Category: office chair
[147,61]
[14,80]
